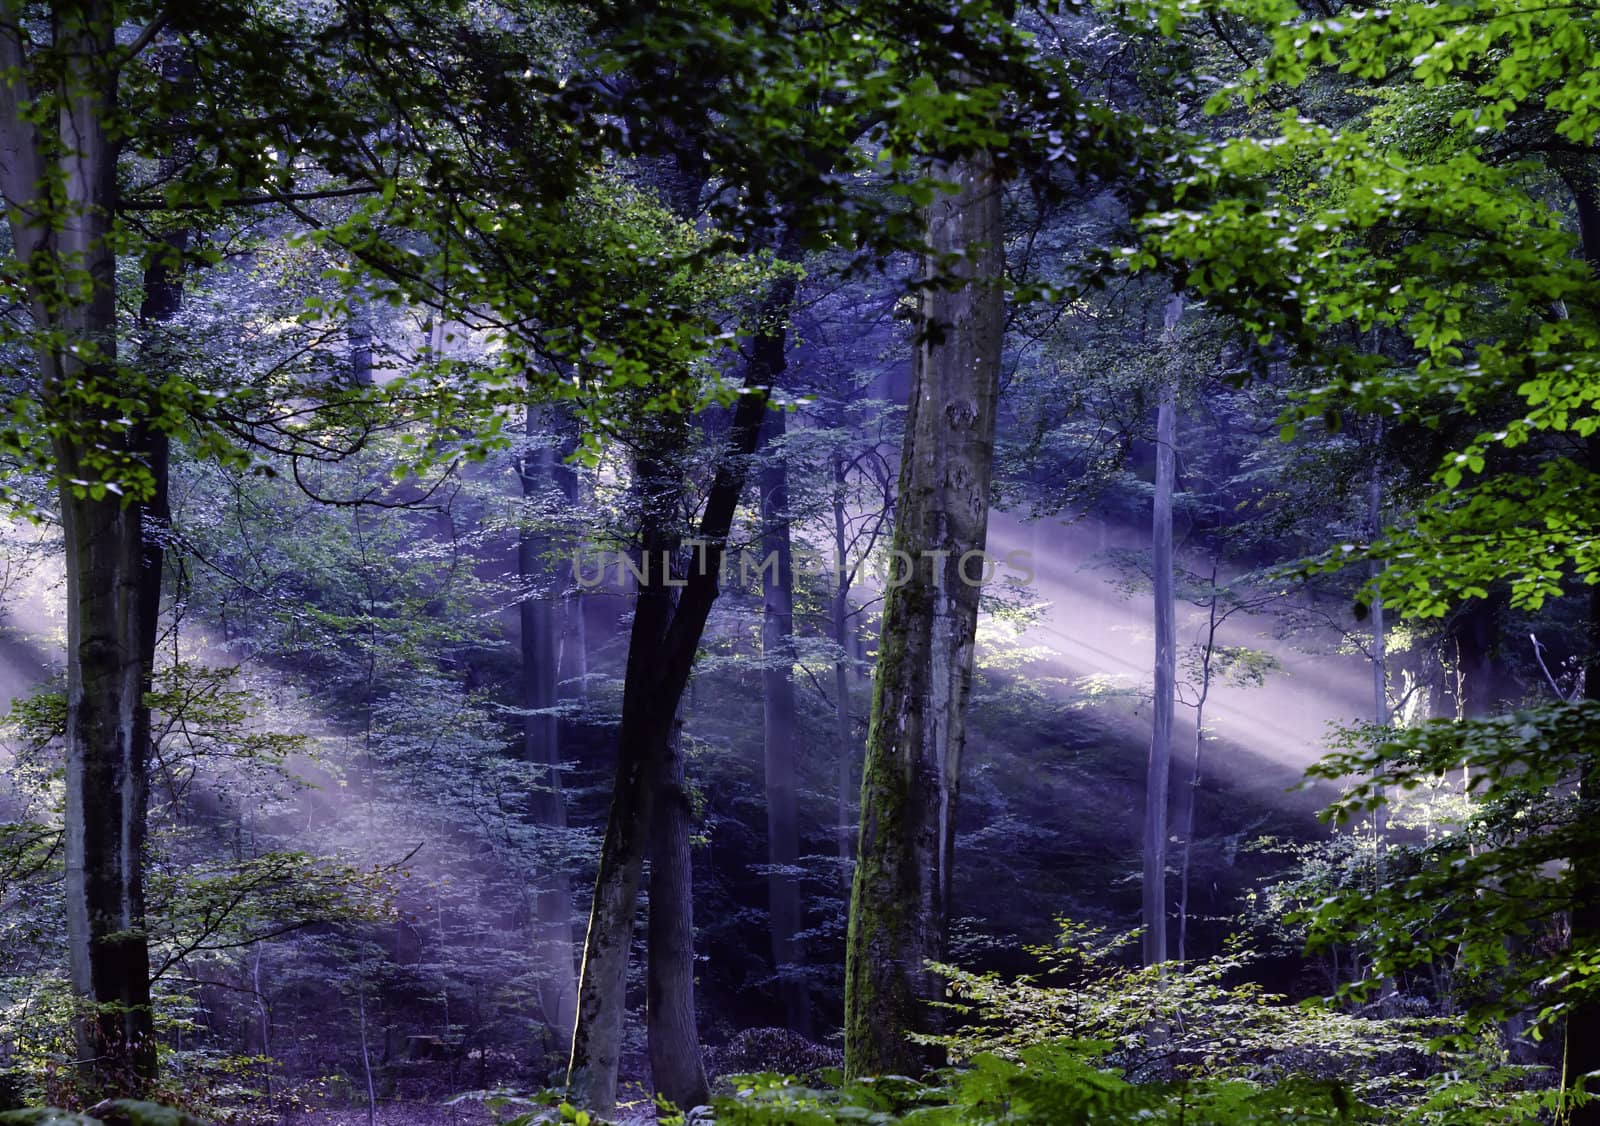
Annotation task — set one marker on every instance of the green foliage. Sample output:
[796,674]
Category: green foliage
[1050,1084]
[1415,248]
[1481,892]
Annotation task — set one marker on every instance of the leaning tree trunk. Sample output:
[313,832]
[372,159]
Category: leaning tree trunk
[784,904]
[661,650]
[677,1068]
[113,572]
[1159,765]
[642,743]
[901,890]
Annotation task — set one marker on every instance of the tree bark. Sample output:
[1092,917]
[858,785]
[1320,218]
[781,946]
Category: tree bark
[1159,765]
[901,890]
[784,902]
[677,1067]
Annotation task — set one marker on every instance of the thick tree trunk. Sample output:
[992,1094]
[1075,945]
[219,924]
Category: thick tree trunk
[901,890]
[1159,766]
[540,613]
[784,903]
[113,571]
[677,1068]
[113,587]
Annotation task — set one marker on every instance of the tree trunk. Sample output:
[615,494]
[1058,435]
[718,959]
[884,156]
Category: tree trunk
[840,614]
[113,571]
[661,650]
[1380,688]
[1583,1018]
[784,903]
[1481,682]
[677,1068]
[901,889]
[540,613]
[1191,791]
[360,333]
[1159,766]
[641,744]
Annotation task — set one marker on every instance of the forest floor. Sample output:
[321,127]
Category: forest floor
[464,1113]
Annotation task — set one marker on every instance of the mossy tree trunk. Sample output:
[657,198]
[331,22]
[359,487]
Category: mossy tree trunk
[901,890]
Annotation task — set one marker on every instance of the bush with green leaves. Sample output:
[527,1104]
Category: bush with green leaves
[1482,890]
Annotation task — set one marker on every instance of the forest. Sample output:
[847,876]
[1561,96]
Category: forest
[794,562]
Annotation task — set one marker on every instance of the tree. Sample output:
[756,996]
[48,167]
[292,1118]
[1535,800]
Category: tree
[60,189]
[539,641]
[785,903]
[1159,770]
[1432,223]
[911,778]
[84,97]
[665,635]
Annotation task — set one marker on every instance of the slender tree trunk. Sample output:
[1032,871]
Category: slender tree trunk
[901,890]
[641,744]
[539,614]
[676,1066]
[1380,684]
[360,333]
[1191,791]
[113,571]
[1583,1018]
[366,1056]
[840,615]
[784,903]
[1159,766]
[661,651]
